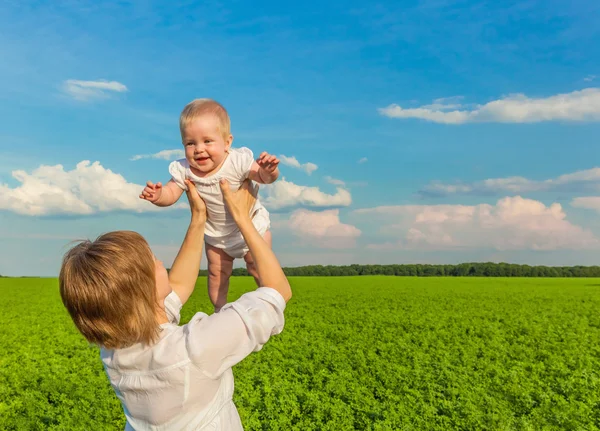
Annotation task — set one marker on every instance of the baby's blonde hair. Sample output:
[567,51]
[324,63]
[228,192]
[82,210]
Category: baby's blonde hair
[199,107]
[108,286]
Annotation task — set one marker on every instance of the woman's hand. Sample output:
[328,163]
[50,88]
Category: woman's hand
[197,205]
[241,202]
[269,270]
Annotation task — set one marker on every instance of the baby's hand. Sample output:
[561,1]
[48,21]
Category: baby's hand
[151,192]
[268,162]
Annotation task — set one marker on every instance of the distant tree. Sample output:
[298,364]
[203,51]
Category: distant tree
[480,269]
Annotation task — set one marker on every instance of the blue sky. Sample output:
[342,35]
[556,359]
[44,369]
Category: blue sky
[442,131]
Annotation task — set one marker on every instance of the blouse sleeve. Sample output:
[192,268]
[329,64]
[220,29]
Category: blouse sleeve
[173,307]
[221,340]
[242,161]
[177,170]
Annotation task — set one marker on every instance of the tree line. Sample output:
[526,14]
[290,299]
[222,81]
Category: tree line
[488,269]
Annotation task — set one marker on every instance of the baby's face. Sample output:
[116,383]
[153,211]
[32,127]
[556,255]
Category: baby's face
[205,146]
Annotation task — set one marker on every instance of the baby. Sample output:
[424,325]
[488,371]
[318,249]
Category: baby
[206,136]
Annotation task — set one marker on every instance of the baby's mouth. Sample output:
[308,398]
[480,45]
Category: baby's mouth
[201,159]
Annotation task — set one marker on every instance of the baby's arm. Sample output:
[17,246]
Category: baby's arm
[162,196]
[265,169]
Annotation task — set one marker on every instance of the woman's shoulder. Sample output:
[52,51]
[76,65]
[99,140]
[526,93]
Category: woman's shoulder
[218,341]
[262,306]
[173,307]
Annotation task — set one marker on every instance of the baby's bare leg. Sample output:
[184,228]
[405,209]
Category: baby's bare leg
[220,266]
[250,266]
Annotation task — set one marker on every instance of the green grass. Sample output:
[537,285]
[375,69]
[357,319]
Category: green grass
[368,353]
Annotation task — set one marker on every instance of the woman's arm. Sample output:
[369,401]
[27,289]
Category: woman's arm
[269,270]
[221,340]
[184,272]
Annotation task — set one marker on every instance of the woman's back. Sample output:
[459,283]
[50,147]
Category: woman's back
[186,375]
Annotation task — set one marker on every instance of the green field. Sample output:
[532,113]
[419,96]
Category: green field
[366,353]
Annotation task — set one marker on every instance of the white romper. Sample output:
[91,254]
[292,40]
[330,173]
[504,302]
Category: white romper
[221,230]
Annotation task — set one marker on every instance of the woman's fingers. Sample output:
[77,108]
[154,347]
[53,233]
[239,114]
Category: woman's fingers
[225,187]
[241,201]
[191,192]
[196,202]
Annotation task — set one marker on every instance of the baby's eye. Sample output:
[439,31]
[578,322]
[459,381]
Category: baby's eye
[207,141]
[189,143]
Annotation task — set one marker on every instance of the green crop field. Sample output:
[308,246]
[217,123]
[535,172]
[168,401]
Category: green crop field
[366,353]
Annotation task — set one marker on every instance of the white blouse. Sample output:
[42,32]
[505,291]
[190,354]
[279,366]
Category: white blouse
[184,381]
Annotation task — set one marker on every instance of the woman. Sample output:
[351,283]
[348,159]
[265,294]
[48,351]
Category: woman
[171,377]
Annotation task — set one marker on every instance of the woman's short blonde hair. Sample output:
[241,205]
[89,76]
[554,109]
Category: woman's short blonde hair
[198,107]
[109,288]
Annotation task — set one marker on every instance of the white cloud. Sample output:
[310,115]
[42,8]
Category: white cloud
[587,202]
[445,103]
[284,194]
[513,223]
[335,181]
[363,160]
[590,78]
[588,179]
[164,155]
[323,228]
[88,90]
[308,167]
[88,189]
[583,105]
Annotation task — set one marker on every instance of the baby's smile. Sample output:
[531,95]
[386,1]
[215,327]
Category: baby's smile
[202,159]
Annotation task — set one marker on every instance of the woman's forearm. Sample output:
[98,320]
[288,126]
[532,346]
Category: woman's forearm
[269,270]
[185,268]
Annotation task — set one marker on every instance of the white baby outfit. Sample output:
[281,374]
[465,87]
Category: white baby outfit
[184,381]
[221,230]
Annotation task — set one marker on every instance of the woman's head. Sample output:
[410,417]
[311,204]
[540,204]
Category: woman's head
[112,288]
